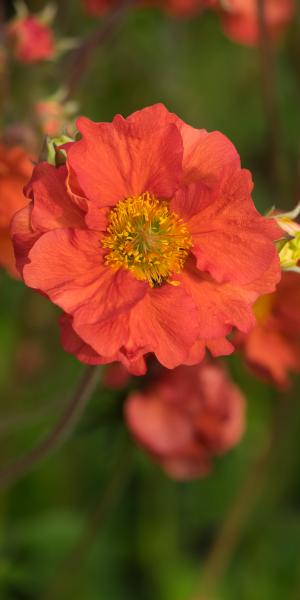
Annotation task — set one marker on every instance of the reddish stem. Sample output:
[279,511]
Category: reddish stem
[64,427]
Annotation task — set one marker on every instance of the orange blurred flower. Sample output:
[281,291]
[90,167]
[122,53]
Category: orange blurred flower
[186,417]
[240,19]
[272,348]
[15,171]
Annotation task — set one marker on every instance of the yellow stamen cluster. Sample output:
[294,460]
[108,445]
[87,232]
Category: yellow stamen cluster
[146,238]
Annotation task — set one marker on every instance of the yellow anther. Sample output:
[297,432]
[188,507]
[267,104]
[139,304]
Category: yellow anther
[146,238]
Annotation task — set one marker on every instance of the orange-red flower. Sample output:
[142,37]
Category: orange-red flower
[33,40]
[148,240]
[240,19]
[186,417]
[272,348]
[15,171]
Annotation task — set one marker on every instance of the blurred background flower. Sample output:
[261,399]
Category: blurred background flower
[15,171]
[31,35]
[186,416]
[54,115]
[272,348]
[239,19]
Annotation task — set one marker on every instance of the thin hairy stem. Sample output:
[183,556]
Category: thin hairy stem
[81,56]
[270,101]
[64,427]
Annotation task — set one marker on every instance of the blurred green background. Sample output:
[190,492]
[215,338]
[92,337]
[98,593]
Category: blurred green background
[98,520]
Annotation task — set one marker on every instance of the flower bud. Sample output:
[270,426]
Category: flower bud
[289,246]
[289,254]
[56,155]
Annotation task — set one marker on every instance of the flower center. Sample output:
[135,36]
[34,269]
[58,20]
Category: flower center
[146,238]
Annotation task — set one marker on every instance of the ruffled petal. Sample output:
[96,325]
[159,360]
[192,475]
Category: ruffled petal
[73,344]
[97,218]
[193,199]
[106,335]
[266,284]
[206,155]
[125,158]
[223,306]
[67,265]
[220,347]
[164,322]
[232,241]
[217,347]
[196,353]
[23,236]
[53,206]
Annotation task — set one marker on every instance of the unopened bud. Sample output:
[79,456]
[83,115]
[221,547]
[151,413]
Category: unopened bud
[287,221]
[289,254]
[56,155]
[289,246]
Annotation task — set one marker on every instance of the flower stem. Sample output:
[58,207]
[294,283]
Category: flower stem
[64,427]
[270,102]
[82,55]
